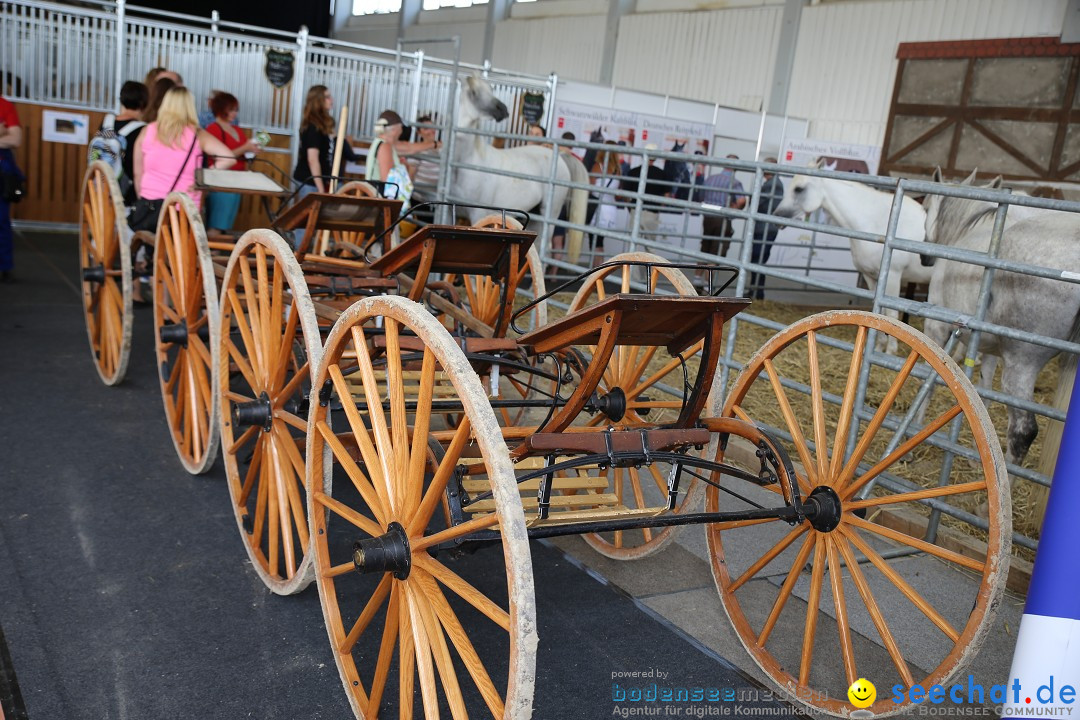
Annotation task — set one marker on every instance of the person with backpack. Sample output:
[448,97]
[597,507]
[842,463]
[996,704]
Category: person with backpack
[114,141]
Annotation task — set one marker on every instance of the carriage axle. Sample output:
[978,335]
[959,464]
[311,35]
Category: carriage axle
[94,273]
[177,333]
[257,412]
[387,553]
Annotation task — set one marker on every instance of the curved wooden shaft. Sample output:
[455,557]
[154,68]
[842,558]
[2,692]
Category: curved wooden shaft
[509,290]
[427,256]
[608,324]
[710,356]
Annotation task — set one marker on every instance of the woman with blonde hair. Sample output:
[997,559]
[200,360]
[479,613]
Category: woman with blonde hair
[167,153]
[171,148]
[315,161]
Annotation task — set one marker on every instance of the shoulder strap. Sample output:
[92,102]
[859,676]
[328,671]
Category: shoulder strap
[131,127]
[108,122]
[372,161]
[194,142]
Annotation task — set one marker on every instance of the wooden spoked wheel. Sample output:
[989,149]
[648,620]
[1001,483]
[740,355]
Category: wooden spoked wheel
[650,383]
[268,344]
[346,243]
[817,604]
[105,269]
[461,641]
[185,321]
[482,293]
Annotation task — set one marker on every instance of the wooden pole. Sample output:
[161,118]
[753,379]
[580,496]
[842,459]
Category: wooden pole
[324,236]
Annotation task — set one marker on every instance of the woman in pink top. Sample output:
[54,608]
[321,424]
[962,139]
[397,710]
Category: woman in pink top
[169,150]
[167,154]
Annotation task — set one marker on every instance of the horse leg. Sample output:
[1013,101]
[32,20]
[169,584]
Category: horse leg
[1018,380]
[987,370]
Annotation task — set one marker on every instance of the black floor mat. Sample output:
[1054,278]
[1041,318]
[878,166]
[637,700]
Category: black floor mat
[125,591]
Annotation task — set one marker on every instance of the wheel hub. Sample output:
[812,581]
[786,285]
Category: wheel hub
[94,273]
[613,404]
[175,333]
[387,553]
[823,508]
[256,412]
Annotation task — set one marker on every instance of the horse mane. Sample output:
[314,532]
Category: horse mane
[957,216]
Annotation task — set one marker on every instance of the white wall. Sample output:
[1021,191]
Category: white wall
[845,60]
[718,56]
[570,46]
[722,51]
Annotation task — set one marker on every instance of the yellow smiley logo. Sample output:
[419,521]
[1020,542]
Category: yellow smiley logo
[862,693]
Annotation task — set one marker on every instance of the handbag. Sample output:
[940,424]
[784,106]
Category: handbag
[144,216]
[12,181]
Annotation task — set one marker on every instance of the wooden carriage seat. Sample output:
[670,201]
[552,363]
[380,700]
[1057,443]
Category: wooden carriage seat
[316,212]
[486,251]
[676,322]
[672,321]
[457,249]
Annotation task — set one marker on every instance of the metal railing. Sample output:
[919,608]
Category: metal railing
[78,56]
[687,249]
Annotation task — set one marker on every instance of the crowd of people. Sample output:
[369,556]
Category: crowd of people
[618,184]
[165,139]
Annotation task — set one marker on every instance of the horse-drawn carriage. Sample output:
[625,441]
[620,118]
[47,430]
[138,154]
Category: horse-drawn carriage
[383,416]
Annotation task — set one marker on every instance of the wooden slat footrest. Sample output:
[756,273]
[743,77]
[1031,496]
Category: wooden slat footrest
[595,443]
[557,501]
[584,482]
[606,513]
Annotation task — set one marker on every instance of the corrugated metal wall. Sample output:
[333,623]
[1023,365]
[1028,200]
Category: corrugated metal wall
[718,56]
[570,46]
[845,61]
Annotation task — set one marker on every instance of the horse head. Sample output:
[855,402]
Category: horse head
[803,195]
[478,101]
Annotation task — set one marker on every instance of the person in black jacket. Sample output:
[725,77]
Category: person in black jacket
[316,157]
[772,192]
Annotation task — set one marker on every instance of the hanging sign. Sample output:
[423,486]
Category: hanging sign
[279,67]
[532,107]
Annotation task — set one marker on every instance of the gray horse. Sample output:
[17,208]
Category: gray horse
[1038,305]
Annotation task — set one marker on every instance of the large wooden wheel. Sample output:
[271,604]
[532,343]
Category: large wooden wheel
[349,243]
[651,384]
[268,344]
[185,321]
[105,269]
[457,642]
[817,604]
[482,293]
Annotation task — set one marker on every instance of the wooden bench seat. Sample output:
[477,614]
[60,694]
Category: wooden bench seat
[672,321]
[457,249]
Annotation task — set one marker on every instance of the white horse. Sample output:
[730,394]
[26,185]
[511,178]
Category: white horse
[491,188]
[859,207]
[1038,305]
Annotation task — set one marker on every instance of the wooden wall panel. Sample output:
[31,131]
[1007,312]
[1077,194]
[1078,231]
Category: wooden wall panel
[54,171]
